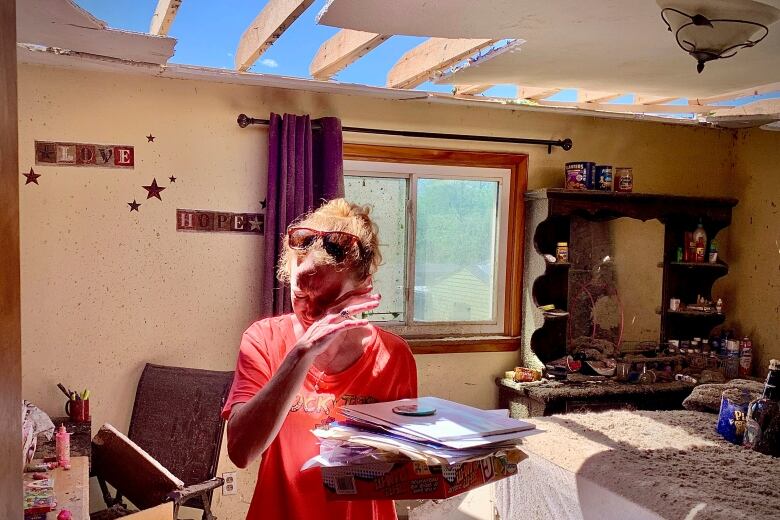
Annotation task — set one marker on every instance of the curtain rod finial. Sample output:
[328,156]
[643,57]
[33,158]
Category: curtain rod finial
[243,120]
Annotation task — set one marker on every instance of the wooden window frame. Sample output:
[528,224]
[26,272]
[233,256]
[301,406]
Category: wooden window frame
[518,165]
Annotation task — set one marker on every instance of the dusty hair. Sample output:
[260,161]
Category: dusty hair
[337,215]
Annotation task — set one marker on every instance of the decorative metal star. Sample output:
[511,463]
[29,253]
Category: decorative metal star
[153,190]
[172,178]
[255,224]
[31,177]
[150,138]
[134,205]
[263,203]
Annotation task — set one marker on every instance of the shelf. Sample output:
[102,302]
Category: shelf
[565,265]
[700,265]
[697,314]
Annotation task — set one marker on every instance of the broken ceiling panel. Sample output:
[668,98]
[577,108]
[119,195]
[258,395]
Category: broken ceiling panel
[63,24]
[496,19]
[610,46]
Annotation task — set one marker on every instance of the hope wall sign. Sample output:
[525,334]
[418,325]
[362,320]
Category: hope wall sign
[205,220]
[82,154]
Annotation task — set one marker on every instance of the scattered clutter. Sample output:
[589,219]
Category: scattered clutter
[35,423]
[395,450]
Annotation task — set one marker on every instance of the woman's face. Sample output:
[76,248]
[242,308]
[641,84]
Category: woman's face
[317,286]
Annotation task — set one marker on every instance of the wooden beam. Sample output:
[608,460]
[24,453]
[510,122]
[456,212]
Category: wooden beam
[592,96]
[434,54]
[755,91]
[163,16]
[632,108]
[10,304]
[266,28]
[340,51]
[535,93]
[768,107]
[470,90]
[639,99]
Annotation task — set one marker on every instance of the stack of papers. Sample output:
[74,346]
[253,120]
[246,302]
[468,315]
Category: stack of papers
[454,434]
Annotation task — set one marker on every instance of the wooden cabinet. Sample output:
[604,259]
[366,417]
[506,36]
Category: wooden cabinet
[548,220]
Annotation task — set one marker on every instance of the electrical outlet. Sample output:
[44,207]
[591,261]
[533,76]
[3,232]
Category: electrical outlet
[230,486]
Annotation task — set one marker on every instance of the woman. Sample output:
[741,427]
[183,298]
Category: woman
[295,371]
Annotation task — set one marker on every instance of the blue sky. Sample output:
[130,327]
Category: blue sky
[208,32]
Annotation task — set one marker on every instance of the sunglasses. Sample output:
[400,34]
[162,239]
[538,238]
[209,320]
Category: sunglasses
[336,243]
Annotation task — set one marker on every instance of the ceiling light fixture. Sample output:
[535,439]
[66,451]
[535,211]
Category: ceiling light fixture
[717,29]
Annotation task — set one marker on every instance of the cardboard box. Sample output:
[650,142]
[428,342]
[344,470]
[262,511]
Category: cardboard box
[416,480]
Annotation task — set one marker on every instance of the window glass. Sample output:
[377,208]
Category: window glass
[455,250]
[388,200]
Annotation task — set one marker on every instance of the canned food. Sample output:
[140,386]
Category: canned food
[562,252]
[527,375]
[604,177]
[580,175]
[624,180]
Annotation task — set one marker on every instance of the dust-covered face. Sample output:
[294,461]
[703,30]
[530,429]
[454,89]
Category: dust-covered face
[316,286]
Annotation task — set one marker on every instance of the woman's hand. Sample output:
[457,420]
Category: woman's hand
[338,319]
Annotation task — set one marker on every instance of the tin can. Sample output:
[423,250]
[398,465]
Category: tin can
[604,177]
[526,375]
[580,175]
[562,252]
[624,180]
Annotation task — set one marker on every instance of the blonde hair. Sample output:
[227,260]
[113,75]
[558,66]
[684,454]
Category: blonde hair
[337,215]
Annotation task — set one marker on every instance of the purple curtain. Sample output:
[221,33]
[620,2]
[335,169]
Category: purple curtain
[305,168]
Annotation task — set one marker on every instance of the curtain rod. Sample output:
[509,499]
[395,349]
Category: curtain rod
[244,121]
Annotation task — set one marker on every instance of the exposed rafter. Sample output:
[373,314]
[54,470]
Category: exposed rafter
[470,90]
[652,100]
[633,108]
[755,91]
[266,28]
[434,54]
[163,16]
[592,96]
[535,93]
[340,51]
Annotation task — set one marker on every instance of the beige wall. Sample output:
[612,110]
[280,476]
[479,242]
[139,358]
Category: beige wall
[752,288]
[105,290]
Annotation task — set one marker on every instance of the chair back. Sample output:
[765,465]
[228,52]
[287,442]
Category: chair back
[176,419]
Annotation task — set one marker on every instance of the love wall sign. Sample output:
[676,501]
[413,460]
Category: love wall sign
[84,154]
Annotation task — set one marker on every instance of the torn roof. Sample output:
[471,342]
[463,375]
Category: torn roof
[543,46]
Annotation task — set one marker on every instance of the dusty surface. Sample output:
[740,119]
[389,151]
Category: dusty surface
[549,390]
[706,398]
[666,462]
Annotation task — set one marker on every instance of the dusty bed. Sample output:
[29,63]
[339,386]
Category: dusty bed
[622,464]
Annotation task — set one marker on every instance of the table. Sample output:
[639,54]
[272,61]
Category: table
[543,398]
[80,439]
[72,489]
[638,465]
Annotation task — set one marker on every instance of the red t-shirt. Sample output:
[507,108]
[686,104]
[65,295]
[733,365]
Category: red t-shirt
[385,372]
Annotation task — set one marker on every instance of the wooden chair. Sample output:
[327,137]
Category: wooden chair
[176,421]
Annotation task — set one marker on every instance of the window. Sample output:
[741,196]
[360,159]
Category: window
[447,240]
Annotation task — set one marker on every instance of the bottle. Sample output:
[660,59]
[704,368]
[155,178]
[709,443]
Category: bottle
[62,440]
[713,251]
[700,241]
[745,357]
[762,432]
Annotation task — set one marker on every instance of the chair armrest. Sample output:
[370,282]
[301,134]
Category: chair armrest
[183,494]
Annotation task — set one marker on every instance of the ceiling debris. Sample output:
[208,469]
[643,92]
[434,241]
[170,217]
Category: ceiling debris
[612,58]
[65,25]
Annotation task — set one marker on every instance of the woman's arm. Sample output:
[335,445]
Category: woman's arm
[253,425]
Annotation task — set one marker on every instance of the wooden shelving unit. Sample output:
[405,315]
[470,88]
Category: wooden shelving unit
[548,218]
